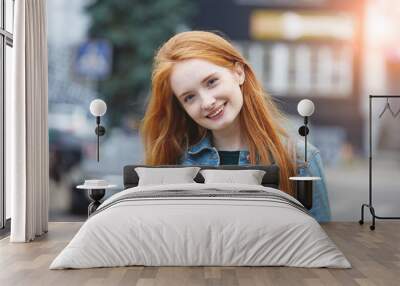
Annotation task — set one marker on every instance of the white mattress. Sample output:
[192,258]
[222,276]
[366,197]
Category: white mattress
[183,231]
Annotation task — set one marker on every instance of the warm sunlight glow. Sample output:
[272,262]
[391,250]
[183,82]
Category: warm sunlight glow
[382,23]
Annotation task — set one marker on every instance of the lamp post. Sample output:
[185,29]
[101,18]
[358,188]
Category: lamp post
[98,108]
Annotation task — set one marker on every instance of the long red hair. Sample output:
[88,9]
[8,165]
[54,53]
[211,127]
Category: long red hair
[167,130]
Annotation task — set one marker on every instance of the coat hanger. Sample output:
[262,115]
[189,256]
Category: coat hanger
[397,113]
[387,106]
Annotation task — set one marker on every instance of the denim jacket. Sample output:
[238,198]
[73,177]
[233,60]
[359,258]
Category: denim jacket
[203,153]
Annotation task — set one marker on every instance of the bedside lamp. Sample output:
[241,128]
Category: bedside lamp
[98,108]
[96,188]
[304,184]
[305,108]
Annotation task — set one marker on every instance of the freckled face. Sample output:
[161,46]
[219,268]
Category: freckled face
[209,93]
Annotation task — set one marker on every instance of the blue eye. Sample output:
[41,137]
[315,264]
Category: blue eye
[188,97]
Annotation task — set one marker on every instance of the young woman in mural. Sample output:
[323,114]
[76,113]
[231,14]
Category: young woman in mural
[208,108]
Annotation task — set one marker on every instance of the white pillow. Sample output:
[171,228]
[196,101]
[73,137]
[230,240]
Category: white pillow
[162,176]
[249,177]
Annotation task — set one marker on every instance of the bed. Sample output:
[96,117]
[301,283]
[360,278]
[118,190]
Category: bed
[201,224]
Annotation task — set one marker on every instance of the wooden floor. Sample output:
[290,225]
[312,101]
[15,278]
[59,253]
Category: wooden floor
[374,255]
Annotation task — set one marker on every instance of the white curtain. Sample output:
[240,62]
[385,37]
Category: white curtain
[26,127]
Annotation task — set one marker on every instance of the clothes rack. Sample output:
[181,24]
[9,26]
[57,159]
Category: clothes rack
[369,205]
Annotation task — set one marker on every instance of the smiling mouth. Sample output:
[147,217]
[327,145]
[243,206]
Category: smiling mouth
[217,112]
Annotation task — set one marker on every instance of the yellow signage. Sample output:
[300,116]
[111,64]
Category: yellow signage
[299,25]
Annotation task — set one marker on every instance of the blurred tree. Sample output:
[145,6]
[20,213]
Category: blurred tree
[136,29]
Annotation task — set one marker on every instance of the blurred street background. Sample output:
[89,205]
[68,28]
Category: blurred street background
[334,52]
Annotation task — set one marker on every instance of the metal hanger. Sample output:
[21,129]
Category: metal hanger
[387,106]
[397,113]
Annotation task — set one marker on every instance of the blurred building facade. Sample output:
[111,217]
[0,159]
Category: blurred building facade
[302,49]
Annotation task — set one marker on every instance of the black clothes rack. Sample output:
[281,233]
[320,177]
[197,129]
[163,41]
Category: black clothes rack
[371,208]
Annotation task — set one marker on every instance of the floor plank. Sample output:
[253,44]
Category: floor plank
[374,255]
